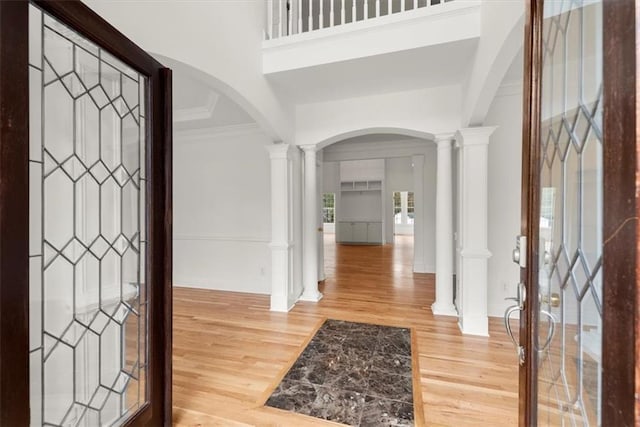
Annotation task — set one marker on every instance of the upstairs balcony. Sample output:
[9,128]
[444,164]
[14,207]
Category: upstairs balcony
[364,45]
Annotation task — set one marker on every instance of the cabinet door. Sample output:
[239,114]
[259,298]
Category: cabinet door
[345,232]
[359,232]
[374,232]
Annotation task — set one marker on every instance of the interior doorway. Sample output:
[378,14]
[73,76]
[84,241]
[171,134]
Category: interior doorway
[403,214]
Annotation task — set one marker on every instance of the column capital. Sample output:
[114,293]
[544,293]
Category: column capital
[444,138]
[474,135]
[311,148]
[278,150]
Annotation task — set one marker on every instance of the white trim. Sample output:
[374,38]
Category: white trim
[203,112]
[219,238]
[475,325]
[444,311]
[199,134]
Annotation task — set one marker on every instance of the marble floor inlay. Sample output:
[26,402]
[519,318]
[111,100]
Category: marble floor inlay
[352,373]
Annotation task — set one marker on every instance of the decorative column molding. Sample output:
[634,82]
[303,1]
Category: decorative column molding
[443,304]
[281,216]
[473,253]
[419,261]
[310,227]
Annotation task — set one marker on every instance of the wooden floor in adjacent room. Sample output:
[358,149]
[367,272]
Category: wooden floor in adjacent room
[230,351]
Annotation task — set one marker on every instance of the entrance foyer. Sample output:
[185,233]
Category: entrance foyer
[230,350]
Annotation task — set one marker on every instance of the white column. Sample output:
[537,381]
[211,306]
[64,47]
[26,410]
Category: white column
[281,277]
[443,304]
[419,261]
[310,231]
[474,253]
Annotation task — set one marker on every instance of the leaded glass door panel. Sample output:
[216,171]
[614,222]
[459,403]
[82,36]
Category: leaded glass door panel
[561,351]
[97,162]
[570,241]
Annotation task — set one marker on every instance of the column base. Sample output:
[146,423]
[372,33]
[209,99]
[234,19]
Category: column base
[444,309]
[280,304]
[311,296]
[476,325]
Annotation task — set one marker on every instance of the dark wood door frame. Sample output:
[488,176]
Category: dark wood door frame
[621,315]
[14,205]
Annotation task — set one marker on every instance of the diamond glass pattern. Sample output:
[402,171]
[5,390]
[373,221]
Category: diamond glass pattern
[569,375]
[88,333]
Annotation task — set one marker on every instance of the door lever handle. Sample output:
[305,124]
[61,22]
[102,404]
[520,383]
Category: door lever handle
[507,325]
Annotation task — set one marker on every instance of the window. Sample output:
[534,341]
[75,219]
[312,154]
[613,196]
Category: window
[328,208]
[403,207]
[397,208]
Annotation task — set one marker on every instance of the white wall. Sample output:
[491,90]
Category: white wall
[502,38]
[505,150]
[222,206]
[425,112]
[220,39]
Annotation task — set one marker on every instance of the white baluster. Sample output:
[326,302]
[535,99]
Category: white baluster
[415,4]
[310,2]
[377,7]
[389,7]
[342,14]
[353,11]
[299,16]
[365,11]
[280,32]
[269,26]
[290,17]
[402,6]
[320,15]
[331,17]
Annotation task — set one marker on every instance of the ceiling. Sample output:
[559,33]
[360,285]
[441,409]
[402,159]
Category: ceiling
[431,66]
[198,106]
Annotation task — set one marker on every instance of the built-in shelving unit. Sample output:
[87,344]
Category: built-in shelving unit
[346,186]
[361,221]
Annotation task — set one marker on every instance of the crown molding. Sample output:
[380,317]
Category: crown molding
[203,112]
[199,134]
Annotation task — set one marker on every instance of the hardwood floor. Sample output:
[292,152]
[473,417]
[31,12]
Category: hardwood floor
[230,351]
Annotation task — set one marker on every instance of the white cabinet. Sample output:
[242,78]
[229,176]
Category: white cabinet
[360,232]
[345,232]
[374,232]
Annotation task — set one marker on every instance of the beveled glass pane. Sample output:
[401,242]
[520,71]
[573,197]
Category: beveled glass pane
[35,302]
[35,114]
[58,123]
[88,329]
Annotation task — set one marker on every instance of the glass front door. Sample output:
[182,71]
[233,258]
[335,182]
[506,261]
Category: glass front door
[570,245]
[88,310]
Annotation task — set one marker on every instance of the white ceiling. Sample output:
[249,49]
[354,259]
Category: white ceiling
[198,106]
[440,65]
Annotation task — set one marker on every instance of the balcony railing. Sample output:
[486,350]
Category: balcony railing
[290,17]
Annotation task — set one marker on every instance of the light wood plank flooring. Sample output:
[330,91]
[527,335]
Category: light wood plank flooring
[230,351]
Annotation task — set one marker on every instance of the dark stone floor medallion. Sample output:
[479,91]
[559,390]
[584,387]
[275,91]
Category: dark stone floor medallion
[352,373]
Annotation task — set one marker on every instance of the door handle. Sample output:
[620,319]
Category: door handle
[507,325]
[550,331]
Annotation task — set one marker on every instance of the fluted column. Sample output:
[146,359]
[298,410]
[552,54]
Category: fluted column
[310,231]
[444,230]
